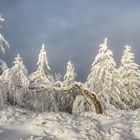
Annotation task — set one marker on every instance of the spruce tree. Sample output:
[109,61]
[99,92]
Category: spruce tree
[70,75]
[3,45]
[15,80]
[3,42]
[102,68]
[130,74]
[41,75]
[19,73]
[104,79]
[3,66]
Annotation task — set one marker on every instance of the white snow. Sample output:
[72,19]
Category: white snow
[47,96]
[114,124]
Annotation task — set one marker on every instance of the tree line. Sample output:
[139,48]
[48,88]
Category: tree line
[117,86]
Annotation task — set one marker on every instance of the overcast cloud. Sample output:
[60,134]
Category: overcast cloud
[72,30]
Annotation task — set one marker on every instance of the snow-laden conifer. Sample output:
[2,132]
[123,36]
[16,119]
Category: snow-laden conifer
[104,79]
[3,42]
[19,73]
[41,75]
[102,68]
[3,66]
[70,75]
[130,74]
[3,45]
[15,81]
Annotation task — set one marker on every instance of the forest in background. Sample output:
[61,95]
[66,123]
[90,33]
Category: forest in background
[41,91]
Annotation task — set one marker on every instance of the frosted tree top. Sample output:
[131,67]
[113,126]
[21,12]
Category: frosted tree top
[43,59]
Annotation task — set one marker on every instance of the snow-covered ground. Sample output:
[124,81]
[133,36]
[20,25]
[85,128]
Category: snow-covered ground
[114,124]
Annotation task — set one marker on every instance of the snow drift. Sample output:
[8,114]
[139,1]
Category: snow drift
[113,124]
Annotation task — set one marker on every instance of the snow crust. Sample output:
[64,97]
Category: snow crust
[114,124]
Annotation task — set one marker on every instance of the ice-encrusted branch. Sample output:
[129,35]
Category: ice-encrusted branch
[87,94]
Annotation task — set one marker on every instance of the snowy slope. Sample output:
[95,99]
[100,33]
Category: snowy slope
[114,124]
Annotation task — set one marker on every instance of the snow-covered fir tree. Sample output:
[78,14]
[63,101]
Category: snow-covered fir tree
[20,73]
[102,66]
[41,76]
[16,76]
[70,75]
[104,79]
[3,66]
[3,42]
[130,74]
[15,80]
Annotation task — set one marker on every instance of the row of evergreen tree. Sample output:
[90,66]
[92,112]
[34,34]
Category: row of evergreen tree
[118,86]
[18,75]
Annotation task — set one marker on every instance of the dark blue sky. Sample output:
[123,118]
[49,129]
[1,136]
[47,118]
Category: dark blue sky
[72,29]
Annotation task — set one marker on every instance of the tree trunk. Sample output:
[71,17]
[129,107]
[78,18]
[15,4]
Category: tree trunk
[92,97]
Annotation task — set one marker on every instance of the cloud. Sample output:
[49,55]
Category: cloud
[72,29]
